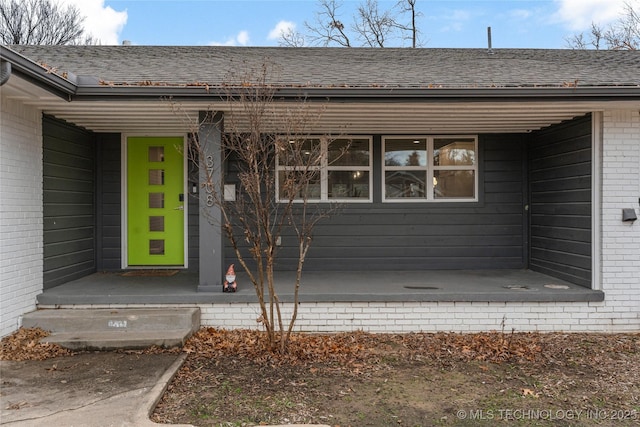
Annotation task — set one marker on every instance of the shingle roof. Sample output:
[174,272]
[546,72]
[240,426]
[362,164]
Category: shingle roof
[344,67]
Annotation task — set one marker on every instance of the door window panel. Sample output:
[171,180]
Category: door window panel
[156,247]
[156,176]
[156,223]
[156,200]
[156,154]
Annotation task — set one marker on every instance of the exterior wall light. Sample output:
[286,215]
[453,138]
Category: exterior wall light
[629,215]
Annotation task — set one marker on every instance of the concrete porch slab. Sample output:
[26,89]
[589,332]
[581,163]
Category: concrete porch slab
[346,286]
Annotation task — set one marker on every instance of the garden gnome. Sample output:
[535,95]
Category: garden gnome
[230,280]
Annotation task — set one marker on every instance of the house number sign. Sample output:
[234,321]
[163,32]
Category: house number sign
[117,323]
[209,186]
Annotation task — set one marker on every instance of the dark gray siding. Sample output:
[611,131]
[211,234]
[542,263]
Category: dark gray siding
[68,202]
[109,201]
[560,192]
[492,233]
[422,236]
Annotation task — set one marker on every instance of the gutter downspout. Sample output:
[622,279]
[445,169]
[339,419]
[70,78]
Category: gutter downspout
[5,71]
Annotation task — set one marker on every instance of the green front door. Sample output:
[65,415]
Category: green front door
[155,201]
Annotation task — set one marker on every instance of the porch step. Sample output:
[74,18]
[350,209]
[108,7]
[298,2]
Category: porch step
[107,329]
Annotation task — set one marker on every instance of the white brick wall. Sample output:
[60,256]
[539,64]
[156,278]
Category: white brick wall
[620,268]
[20,212]
[395,317]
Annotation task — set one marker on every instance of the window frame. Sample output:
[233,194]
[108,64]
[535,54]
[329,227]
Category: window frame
[325,168]
[429,168]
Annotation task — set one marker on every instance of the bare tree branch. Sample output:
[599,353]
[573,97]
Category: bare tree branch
[370,26]
[373,26]
[592,40]
[41,22]
[291,38]
[409,7]
[328,29]
[623,34]
[275,160]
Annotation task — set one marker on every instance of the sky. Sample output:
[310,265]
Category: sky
[450,23]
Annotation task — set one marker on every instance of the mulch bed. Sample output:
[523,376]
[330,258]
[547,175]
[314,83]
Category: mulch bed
[356,347]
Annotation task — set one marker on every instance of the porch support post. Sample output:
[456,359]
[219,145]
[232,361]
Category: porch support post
[210,239]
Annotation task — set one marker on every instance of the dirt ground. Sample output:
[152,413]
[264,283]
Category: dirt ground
[359,379]
[408,380]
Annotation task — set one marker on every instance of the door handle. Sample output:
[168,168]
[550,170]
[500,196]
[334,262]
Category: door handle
[179,208]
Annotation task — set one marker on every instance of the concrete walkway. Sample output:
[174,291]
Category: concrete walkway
[88,390]
[100,389]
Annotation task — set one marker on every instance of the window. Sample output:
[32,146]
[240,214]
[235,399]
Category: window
[433,168]
[343,173]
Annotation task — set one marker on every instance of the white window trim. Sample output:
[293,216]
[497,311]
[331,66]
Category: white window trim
[324,172]
[430,168]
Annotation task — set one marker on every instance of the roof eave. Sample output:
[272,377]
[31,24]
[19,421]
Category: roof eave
[38,75]
[372,94]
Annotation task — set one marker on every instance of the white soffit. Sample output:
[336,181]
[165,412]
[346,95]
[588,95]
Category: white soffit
[121,115]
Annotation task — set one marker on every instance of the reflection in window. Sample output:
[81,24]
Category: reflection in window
[405,152]
[454,184]
[349,152]
[454,164]
[454,152]
[430,168]
[292,185]
[405,184]
[342,170]
[298,152]
[348,184]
